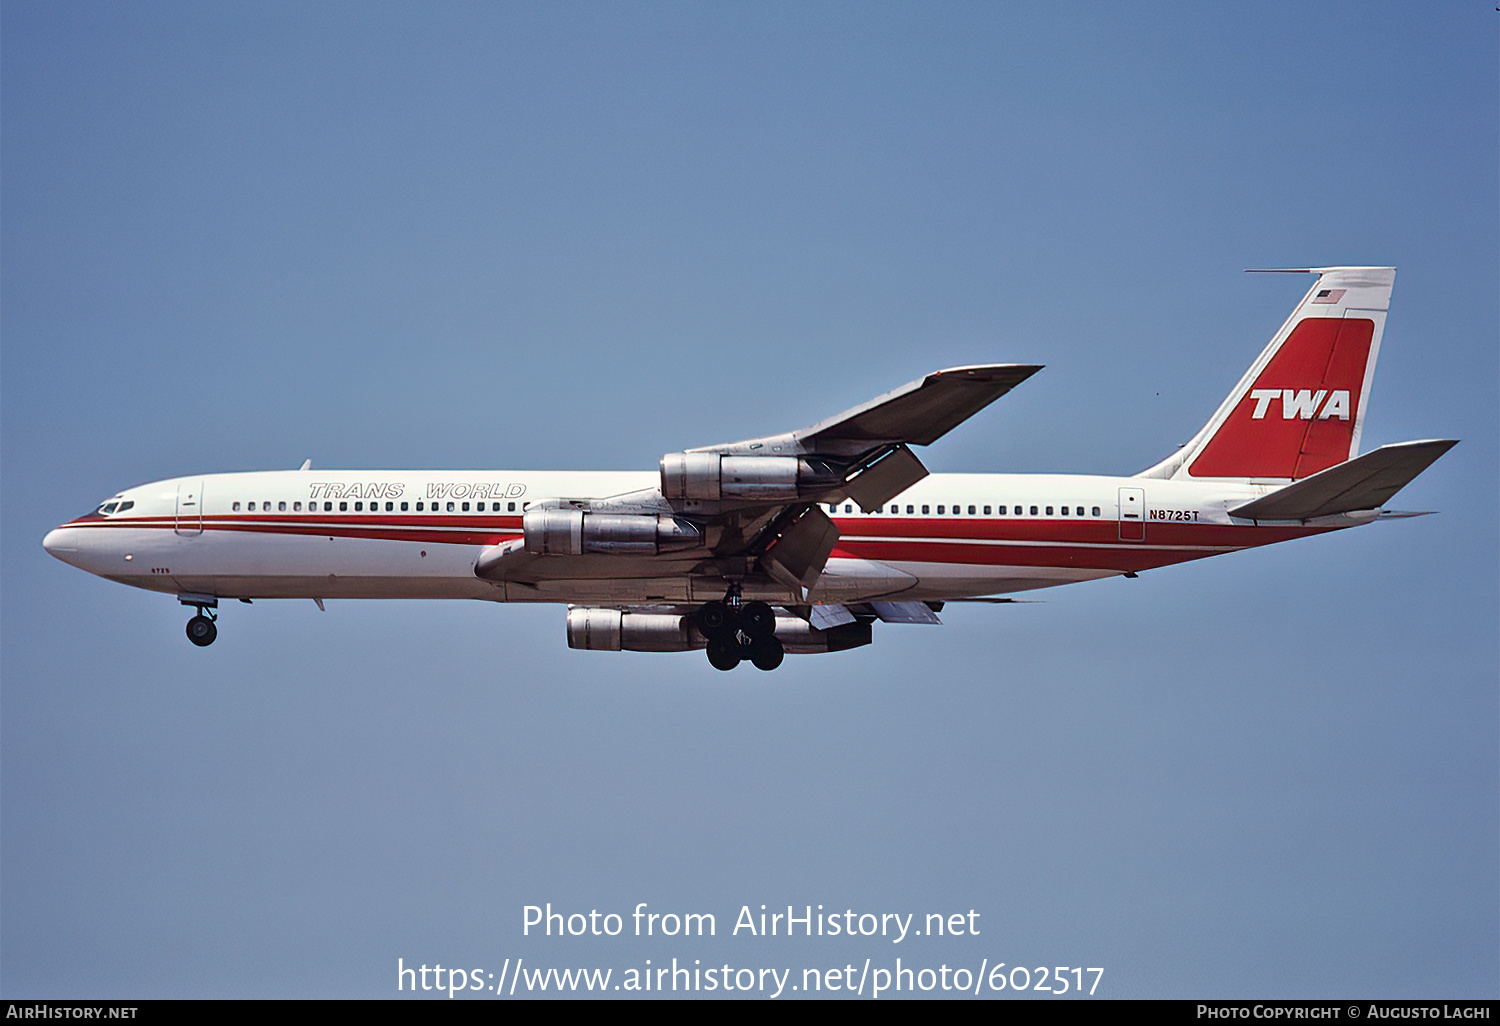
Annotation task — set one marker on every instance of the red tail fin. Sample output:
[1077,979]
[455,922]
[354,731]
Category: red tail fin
[1301,406]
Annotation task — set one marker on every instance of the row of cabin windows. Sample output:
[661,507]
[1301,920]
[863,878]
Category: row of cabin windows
[958,511]
[390,507]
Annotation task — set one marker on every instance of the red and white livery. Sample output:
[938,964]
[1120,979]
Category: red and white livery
[795,542]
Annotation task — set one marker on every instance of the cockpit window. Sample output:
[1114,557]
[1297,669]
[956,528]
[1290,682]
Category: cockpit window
[114,506]
[108,508]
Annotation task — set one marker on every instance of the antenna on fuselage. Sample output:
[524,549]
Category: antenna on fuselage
[306,464]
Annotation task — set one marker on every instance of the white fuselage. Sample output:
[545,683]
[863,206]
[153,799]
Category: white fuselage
[418,534]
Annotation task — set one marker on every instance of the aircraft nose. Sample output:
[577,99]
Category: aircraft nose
[61,542]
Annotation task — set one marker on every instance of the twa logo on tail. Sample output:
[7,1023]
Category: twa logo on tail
[1264,431]
[1302,404]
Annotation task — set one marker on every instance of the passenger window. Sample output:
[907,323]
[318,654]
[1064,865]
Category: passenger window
[297,507]
[479,507]
[343,507]
[390,506]
[281,506]
[403,507]
[971,511]
[1033,511]
[1096,511]
[450,507]
[511,506]
[359,507]
[1049,511]
[924,511]
[909,509]
[327,507]
[986,511]
[235,508]
[419,507]
[940,510]
[466,507]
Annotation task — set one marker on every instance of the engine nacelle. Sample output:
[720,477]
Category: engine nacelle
[610,630]
[712,477]
[799,637]
[572,532]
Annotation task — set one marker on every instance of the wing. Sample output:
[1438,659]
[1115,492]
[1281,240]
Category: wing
[772,485]
[918,413]
[751,507]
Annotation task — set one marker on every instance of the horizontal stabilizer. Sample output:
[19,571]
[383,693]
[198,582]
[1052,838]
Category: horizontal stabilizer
[1365,482]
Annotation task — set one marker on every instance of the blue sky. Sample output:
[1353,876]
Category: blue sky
[583,235]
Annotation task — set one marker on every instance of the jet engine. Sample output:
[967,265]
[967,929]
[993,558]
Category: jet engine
[610,630]
[614,630]
[712,476]
[571,532]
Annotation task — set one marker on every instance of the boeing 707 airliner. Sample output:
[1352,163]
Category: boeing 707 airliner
[791,543]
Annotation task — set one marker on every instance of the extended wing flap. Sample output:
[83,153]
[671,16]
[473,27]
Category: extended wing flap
[885,478]
[800,554]
[905,612]
[830,615]
[1365,482]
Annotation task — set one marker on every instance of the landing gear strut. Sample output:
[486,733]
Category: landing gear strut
[739,630]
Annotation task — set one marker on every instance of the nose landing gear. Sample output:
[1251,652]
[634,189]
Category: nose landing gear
[201,630]
[739,630]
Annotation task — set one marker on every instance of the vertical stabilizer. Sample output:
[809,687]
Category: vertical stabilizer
[1300,408]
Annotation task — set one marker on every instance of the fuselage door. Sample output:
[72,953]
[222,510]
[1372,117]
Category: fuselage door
[1132,514]
[190,507]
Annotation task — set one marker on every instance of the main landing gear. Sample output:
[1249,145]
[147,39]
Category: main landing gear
[740,630]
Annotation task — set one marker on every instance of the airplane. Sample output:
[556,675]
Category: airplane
[792,543]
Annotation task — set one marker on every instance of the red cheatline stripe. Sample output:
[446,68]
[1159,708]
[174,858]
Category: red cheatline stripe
[1124,557]
[1088,545]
